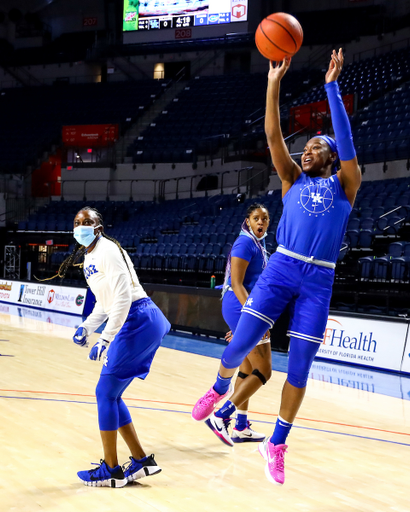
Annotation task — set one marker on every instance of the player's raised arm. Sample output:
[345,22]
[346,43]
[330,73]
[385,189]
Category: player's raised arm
[287,169]
[349,175]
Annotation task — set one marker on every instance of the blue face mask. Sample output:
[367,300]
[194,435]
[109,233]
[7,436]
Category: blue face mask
[85,234]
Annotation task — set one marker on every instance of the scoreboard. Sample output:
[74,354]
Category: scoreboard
[176,14]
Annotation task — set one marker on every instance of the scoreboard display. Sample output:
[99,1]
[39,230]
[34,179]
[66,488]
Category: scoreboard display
[163,14]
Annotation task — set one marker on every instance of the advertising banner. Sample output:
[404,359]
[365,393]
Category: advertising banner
[363,341]
[311,115]
[90,135]
[51,297]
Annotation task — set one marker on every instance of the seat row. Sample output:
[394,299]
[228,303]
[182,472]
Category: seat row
[385,268]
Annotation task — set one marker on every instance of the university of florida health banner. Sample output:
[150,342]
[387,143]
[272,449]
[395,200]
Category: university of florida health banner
[364,341]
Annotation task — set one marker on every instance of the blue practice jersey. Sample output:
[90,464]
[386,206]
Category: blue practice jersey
[246,248]
[314,219]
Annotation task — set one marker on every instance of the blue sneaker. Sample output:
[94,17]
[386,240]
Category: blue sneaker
[136,469]
[103,476]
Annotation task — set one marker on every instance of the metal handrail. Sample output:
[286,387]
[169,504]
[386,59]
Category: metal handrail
[389,47]
[161,183]
[237,189]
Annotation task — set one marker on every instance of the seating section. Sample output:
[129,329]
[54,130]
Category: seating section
[31,119]
[394,266]
[382,208]
[370,78]
[188,235]
[382,130]
[208,112]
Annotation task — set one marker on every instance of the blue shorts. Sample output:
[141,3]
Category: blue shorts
[231,310]
[307,288]
[131,352]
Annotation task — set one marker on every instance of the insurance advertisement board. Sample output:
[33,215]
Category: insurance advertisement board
[364,341]
[45,296]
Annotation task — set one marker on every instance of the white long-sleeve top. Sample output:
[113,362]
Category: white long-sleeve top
[110,281]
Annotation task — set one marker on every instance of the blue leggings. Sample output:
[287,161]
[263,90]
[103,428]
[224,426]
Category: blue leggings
[250,330]
[112,411]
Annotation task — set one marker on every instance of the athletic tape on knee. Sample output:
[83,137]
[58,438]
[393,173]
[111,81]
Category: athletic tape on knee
[243,375]
[260,376]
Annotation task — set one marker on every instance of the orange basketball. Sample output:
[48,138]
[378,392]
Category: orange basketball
[279,35]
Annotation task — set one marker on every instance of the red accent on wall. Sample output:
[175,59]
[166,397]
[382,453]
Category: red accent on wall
[311,115]
[46,181]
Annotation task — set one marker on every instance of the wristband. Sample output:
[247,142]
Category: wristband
[340,121]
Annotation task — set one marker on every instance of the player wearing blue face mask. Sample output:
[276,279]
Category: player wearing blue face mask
[128,343]
[316,207]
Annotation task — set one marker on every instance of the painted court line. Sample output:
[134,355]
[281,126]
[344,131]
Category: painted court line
[63,393]
[188,412]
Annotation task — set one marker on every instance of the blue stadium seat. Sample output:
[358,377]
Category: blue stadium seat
[366,223]
[399,268]
[382,268]
[353,223]
[366,266]
[395,249]
[353,237]
[220,264]
[227,249]
[366,237]
[394,223]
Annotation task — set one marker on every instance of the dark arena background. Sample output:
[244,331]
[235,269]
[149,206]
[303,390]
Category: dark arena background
[153,113]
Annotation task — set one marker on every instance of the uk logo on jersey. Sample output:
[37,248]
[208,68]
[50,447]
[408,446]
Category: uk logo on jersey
[90,270]
[249,302]
[316,199]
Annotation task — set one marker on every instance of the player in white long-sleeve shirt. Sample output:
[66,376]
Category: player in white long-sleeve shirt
[129,341]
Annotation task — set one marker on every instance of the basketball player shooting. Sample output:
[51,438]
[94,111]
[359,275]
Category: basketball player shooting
[317,200]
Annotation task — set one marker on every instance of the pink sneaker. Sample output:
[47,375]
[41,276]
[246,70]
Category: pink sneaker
[206,404]
[275,461]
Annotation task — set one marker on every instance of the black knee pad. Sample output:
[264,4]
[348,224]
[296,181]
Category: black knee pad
[260,376]
[243,375]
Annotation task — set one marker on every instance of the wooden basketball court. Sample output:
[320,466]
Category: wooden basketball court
[348,450]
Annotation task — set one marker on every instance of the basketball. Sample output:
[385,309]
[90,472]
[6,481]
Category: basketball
[278,36]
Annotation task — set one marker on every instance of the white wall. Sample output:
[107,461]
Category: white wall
[73,181]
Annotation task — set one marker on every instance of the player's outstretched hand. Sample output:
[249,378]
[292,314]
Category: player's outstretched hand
[98,349]
[277,70]
[81,337]
[335,66]
[228,336]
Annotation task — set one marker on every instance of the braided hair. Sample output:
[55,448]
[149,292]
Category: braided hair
[77,255]
[246,230]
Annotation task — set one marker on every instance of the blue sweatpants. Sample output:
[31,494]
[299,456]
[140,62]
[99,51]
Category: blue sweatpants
[129,355]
